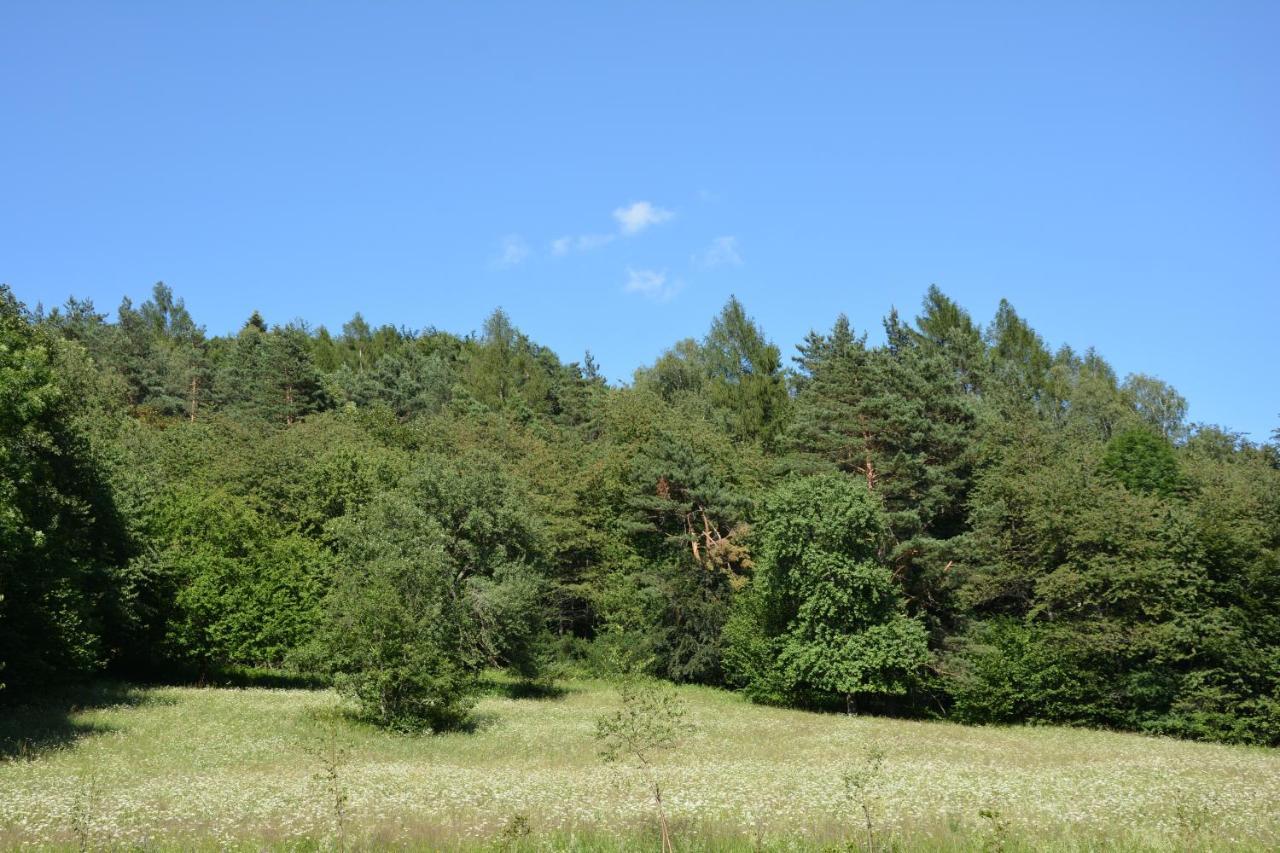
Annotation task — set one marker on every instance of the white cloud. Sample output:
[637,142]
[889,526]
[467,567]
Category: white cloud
[581,243]
[652,284]
[644,281]
[723,252]
[512,250]
[639,215]
[632,219]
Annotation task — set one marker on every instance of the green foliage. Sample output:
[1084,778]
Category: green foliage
[1020,361]
[651,719]
[233,515]
[677,373]
[1015,672]
[1157,403]
[156,350]
[744,373]
[685,512]
[1143,462]
[412,381]
[899,418]
[62,548]
[435,580]
[242,591]
[831,617]
[1117,602]
[735,373]
[402,508]
[495,556]
[948,329]
[394,631]
[269,376]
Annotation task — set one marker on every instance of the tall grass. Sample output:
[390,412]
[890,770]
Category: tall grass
[208,768]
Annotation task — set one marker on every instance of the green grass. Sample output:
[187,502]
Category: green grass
[217,767]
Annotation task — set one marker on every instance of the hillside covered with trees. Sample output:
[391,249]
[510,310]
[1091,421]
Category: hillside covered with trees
[959,522]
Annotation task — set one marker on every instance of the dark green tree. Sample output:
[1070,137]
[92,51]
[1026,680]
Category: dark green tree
[1143,462]
[686,517]
[293,383]
[897,417]
[161,354]
[62,547]
[269,376]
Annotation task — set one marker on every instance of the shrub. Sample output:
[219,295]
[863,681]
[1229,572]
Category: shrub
[393,637]
[651,720]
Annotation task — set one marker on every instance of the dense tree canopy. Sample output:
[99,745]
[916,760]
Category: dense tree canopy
[63,581]
[952,518]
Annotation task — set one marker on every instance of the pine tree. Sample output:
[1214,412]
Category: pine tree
[898,418]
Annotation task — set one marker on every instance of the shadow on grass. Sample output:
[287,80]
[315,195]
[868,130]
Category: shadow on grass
[244,676]
[234,676]
[352,719]
[31,728]
[515,688]
[226,675]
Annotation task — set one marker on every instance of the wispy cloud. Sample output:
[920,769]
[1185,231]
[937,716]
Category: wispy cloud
[723,252]
[512,250]
[652,284]
[631,219]
[581,243]
[638,216]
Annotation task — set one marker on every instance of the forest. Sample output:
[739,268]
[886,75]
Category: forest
[959,522]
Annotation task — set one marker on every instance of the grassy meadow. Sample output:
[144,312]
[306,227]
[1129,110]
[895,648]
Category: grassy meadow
[288,768]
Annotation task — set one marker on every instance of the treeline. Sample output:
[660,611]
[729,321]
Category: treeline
[957,522]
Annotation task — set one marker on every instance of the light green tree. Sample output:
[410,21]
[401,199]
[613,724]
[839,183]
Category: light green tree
[827,620]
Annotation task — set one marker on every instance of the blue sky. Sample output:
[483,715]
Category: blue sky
[611,172]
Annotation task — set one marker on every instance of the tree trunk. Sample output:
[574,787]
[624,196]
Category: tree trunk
[667,846]
[870,468]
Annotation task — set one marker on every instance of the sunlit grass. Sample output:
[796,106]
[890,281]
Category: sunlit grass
[184,767]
